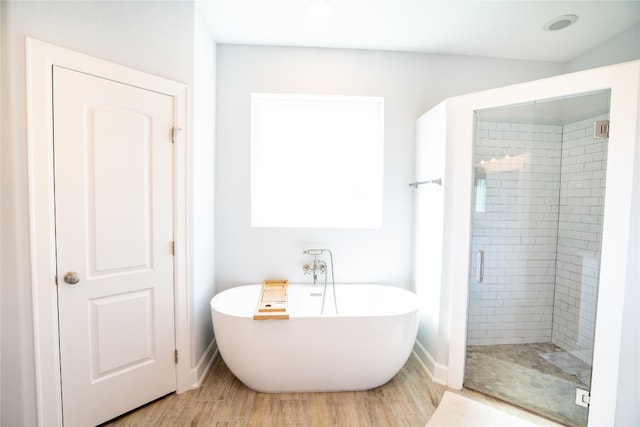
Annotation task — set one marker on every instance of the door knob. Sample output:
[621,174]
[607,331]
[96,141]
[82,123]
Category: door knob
[72,277]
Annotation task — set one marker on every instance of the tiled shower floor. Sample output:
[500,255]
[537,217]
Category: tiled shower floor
[518,374]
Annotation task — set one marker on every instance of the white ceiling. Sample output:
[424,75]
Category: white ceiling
[499,29]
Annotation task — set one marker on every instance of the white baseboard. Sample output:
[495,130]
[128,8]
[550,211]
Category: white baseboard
[436,371]
[199,372]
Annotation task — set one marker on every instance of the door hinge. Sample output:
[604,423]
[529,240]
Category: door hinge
[176,356]
[174,134]
[583,397]
[173,248]
[601,129]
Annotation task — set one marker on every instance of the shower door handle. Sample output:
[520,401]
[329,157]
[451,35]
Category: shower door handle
[480,266]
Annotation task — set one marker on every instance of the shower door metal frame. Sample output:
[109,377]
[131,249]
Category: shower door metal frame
[623,81]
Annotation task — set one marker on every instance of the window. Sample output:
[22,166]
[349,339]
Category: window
[316,161]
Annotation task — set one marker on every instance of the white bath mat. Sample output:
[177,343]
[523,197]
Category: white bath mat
[459,411]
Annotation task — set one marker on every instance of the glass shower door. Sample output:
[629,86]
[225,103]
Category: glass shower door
[539,182]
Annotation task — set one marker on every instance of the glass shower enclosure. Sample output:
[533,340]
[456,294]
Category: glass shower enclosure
[537,218]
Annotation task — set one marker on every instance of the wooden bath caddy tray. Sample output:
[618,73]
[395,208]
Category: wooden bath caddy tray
[273,301]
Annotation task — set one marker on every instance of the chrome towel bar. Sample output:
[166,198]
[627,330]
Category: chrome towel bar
[431,181]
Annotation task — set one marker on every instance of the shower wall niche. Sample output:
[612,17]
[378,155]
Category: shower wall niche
[537,217]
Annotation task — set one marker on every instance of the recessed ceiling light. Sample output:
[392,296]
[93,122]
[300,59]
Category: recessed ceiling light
[560,22]
[320,7]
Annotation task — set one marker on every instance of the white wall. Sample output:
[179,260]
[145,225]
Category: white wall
[410,83]
[621,48]
[428,236]
[155,37]
[1,136]
[202,179]
[627,407]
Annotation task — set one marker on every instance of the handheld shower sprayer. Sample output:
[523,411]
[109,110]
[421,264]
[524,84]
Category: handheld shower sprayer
[315,252]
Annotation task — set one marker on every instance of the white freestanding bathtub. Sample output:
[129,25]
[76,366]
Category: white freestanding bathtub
[361,347]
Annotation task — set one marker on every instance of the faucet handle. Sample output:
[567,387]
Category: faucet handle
[322,267]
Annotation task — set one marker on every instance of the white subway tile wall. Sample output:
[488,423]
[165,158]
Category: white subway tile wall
[582,190]
[537,231]
[517,231]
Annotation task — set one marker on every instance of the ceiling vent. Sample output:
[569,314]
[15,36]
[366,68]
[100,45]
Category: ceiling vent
[560,22]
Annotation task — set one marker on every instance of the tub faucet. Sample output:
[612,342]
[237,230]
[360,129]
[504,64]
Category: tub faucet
[318,267]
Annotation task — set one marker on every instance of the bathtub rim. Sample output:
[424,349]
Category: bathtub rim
[413,306]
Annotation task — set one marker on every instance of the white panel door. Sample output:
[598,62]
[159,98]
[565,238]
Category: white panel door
[114,228]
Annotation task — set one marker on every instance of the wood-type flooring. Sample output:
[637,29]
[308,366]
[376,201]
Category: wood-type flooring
[409,399]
